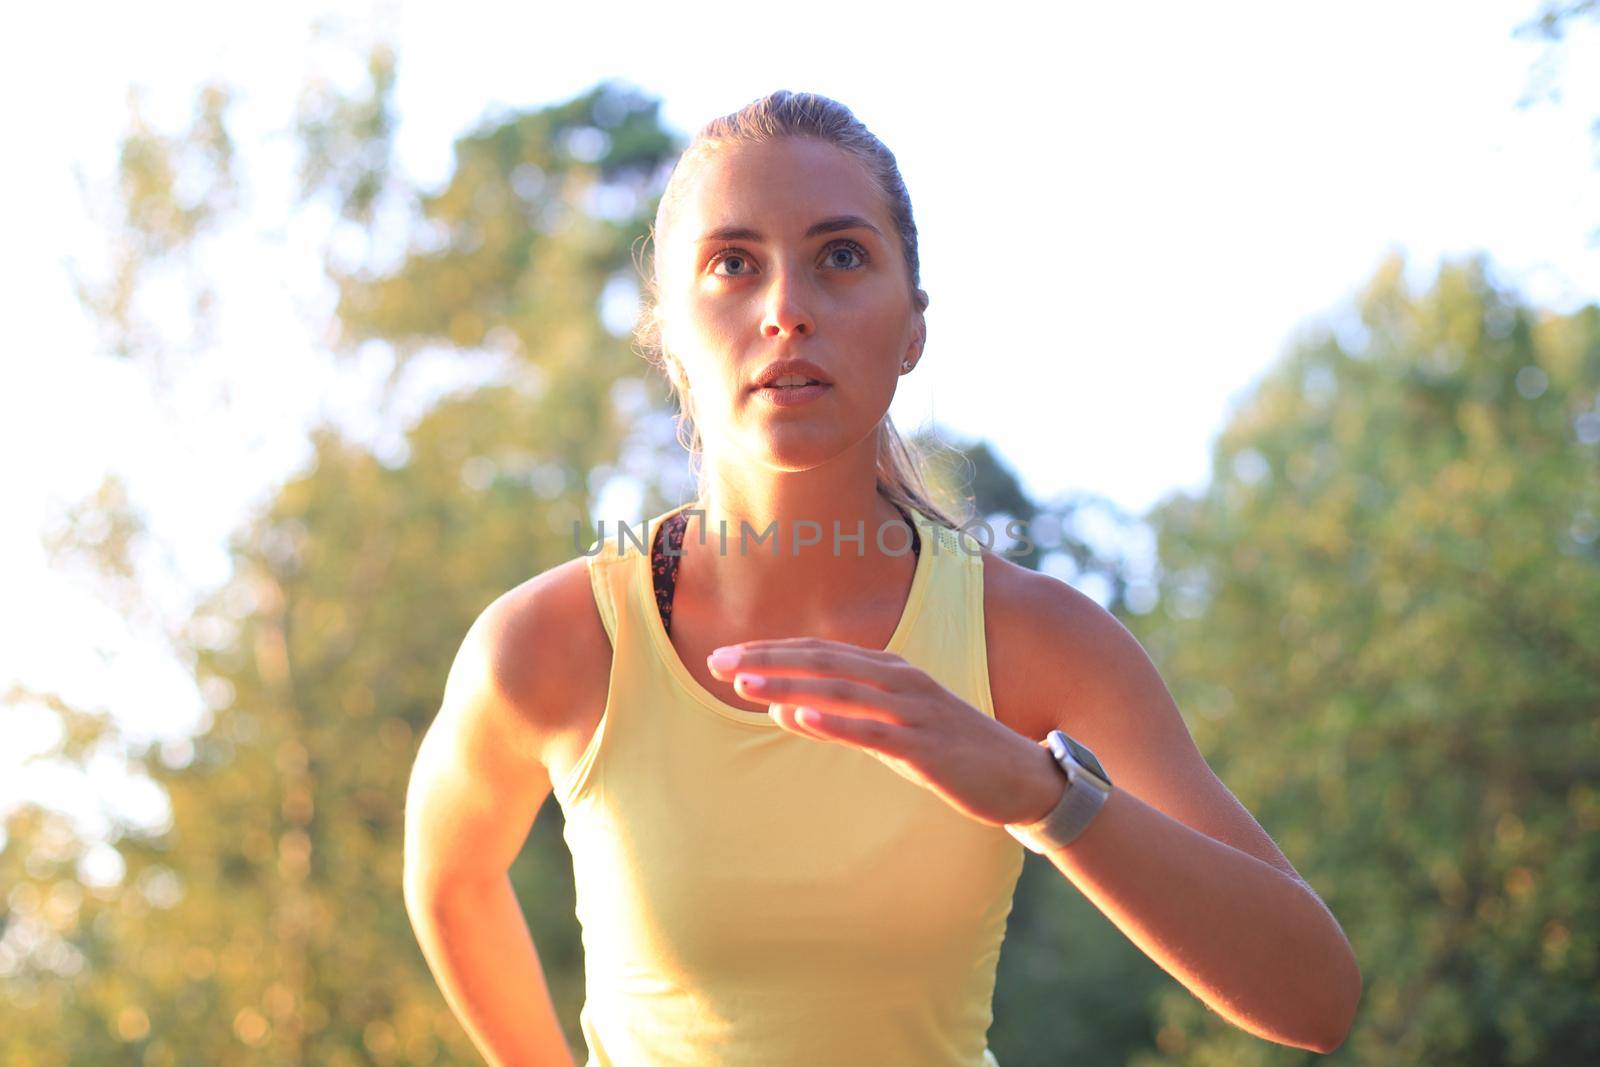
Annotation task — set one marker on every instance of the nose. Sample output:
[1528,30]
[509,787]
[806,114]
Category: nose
[787,311]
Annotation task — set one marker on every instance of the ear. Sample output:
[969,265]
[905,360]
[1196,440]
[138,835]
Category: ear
[919,339]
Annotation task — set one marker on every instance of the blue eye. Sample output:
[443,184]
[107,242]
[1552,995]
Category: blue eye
[735,255]
[725,255]
[847,246]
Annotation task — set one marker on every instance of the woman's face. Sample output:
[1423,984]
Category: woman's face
[785,250]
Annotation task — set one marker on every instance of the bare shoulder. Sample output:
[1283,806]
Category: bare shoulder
[548,654]
[523,674]
[1059,660]
[1033,622]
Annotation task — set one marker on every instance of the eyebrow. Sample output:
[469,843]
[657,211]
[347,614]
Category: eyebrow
[838,222]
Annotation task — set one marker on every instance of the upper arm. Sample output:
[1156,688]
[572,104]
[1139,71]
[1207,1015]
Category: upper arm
[1095,681]
[479,778]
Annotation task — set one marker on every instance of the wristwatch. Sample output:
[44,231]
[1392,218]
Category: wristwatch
[1088,785]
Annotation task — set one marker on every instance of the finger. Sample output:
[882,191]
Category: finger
[812,656]
[832,694]
[872,734]
[785,715]
[789,645]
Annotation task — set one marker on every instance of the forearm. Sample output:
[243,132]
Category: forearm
[477,944]
[1254,944]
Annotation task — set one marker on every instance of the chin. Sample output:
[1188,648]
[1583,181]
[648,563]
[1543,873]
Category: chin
[800,448]
[794,458]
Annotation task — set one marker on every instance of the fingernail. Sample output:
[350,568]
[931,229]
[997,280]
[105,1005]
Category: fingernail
[750,681]
[723,659]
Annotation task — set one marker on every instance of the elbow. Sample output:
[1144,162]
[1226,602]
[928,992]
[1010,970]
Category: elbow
[429,892]
[424,891]
[1333,988]
[1338,1019]
[422,887]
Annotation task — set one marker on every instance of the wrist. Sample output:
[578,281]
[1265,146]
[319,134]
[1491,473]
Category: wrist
[1042,786]
[1086,786]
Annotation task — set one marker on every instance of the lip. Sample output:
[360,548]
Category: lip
[791,395]
[778,368]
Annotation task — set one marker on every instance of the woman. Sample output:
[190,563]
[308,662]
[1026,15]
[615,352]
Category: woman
[795,771]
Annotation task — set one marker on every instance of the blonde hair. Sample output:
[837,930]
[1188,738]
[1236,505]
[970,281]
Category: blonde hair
[784,114]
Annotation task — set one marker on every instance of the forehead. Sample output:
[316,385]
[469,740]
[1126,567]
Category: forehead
[778,188]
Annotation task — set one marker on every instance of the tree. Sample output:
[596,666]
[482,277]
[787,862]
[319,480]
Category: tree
[1383,618]
[276,932]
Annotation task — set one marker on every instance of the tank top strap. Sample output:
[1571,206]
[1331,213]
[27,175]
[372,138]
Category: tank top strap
[948,640]
[635,680]
[606,561]
[605,600]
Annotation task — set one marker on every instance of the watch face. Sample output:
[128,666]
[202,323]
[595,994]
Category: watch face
[1084,756]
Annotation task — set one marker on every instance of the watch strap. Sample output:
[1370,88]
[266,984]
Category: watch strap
[1080,803]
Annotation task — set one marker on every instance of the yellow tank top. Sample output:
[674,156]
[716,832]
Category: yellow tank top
[752,898]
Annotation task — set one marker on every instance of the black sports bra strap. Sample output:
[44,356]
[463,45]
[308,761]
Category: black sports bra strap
[664,566]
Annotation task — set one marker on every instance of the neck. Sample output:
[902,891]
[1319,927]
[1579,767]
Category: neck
[793,557]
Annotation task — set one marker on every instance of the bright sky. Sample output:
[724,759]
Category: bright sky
[1125,212]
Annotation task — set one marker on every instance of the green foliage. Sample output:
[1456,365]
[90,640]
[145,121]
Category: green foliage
[347,141]
[538,206]
[169,192]
[1085,533]
[265,924]
[173,188]
[1382,619]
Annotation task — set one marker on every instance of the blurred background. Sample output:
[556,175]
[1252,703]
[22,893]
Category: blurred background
[1277,324]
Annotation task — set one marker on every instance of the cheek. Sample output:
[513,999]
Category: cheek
[700,318]
[879,307]
[691,335]
[702,352]
[881,336]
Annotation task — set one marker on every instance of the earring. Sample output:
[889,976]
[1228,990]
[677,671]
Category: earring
[905,364]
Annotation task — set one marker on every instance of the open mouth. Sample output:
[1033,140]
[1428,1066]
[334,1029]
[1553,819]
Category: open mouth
[792,381]
[792,393]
